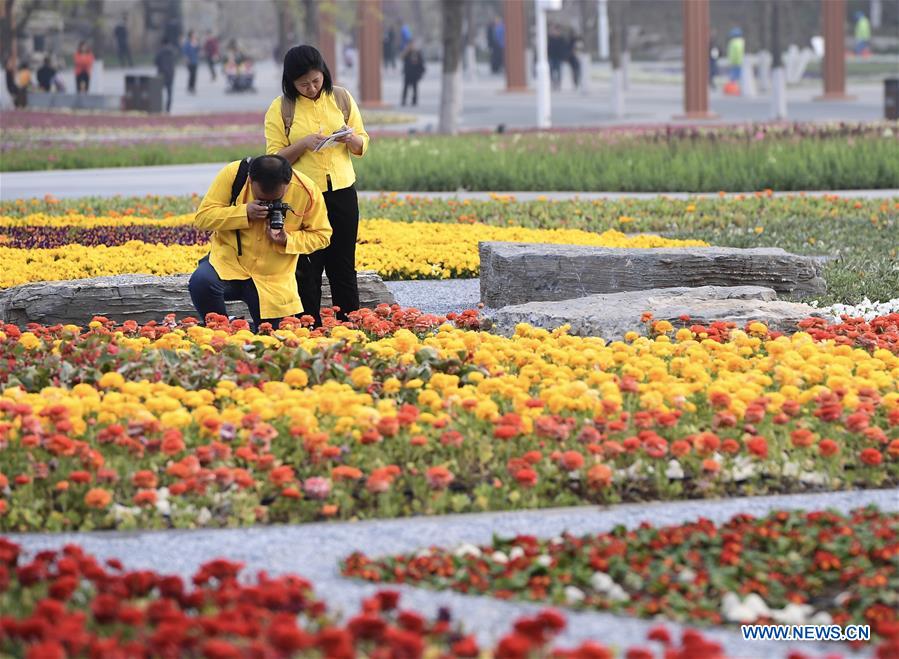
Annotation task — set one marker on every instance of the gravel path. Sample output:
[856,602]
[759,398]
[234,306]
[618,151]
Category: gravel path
[313,550]
[437,296]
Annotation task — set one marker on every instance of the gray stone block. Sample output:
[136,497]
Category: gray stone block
[612,315]
[514,273]
[135,297]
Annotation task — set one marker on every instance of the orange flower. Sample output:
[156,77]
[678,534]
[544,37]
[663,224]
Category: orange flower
[172,442]
[599,476]
[145,498]
[439,477]
[711,466]
[144,479]
[97,498]
[282,475]
[828,447]
[871,456]
[345,472]
[571,460]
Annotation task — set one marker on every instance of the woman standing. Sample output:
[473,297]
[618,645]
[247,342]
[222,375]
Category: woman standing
[84,63]
[310,109]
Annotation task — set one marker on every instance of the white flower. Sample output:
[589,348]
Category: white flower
[544,560]
[499,557]
[821,618]
[466,549]
[792,614]
[756,604]
[601,581]
[674,471]
[423,553]
[574,595]
[734,610]
[516,553]
[686,575]
[204,516]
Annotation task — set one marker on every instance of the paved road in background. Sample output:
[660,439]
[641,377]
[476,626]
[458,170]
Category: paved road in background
[654,96]
[190,179]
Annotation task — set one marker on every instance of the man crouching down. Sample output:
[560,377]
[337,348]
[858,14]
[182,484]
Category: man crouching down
[256,240]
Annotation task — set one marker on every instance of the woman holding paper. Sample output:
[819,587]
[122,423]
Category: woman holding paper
[317,127]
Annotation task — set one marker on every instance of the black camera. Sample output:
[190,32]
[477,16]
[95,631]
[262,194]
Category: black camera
[276,212]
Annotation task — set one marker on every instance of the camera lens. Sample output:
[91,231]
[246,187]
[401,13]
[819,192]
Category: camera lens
[276,220]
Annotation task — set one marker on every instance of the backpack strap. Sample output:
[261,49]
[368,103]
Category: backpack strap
[288,105]
[243,172]
[342,96]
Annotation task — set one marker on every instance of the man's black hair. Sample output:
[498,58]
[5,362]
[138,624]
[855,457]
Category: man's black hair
[270,172]
[299,61]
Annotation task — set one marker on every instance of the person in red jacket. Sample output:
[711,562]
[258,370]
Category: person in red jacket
[84,63]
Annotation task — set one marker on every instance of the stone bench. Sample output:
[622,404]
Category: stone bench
[135,297]
[611,316]
[514,273]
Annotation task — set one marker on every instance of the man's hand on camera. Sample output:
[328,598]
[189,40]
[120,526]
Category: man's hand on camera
[278,237]
[256,211]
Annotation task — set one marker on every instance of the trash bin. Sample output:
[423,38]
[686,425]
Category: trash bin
[143,93]
[891,98]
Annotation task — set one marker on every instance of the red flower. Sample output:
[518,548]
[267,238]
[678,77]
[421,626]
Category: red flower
[526,477]
[367,626]
[466,647]
[828,448]
[871,456]
[758,446]
[439,477]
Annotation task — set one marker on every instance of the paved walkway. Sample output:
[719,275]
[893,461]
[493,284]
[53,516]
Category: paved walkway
[190,179]
[313,550]
[655,95]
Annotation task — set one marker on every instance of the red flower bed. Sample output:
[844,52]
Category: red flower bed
[67,603]
[785,568]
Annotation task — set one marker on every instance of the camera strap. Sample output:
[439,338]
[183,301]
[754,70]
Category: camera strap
[243,172]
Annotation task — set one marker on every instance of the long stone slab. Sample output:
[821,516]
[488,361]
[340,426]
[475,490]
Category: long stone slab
[135,297]
[514,273]
[612,315]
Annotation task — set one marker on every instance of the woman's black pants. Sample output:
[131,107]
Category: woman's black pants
[338,259]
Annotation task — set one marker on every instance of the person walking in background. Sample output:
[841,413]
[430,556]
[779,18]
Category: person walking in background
[556,48]
[122,46]
[575,47]
[310,109]
[211,51]
[84,64]
[496,44]
[191,50]
[405,36]
[46,75]
[413,71]
[165,60]
[714,54]
[736,48]
[862,34]
[390,48]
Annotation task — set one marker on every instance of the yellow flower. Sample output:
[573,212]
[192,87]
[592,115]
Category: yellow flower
[296,377]
[112,380]
[362,377]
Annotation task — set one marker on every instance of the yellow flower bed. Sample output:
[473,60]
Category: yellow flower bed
[396,250]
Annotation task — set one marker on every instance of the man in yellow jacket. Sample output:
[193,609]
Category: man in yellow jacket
[249,260]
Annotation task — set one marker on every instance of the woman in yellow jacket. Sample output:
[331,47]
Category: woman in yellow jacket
[310,110]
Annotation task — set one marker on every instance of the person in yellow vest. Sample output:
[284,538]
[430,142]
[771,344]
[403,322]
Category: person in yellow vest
[862,34]
[297,123]
[735,51]
[253,256]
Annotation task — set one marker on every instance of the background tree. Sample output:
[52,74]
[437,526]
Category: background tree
[451,83]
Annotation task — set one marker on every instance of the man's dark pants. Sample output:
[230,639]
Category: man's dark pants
[209,292]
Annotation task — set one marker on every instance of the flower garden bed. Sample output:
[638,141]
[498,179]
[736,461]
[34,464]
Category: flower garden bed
[751,157]
[68,603]
[854,233]
[42,248]
[789,567]
[179,425]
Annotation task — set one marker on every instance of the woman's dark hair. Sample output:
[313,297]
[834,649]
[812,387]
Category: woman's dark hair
[299,61]
[270,171]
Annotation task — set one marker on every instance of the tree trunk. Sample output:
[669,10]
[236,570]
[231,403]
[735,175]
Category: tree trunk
[285,25]
[6,30]
[311,21]
[451,87]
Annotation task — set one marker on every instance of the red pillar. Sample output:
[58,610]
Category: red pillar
[834,50]
[370,53]
[516,78]
[696,59]
[327,45]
